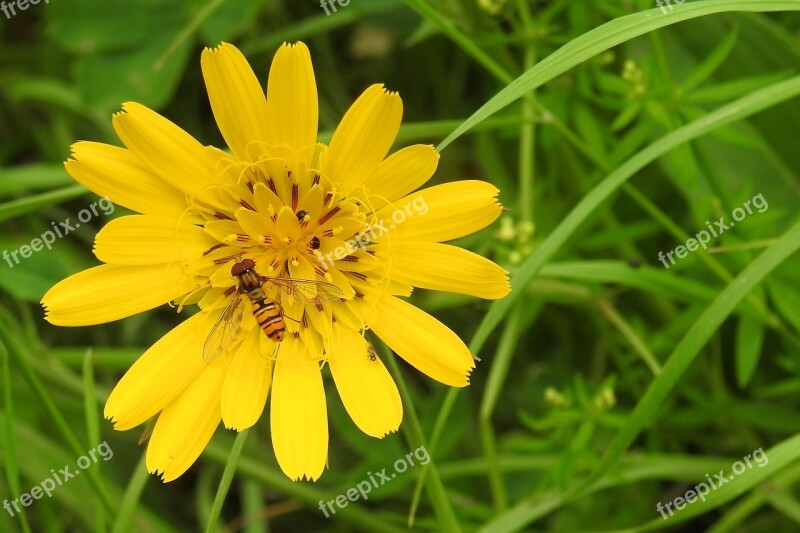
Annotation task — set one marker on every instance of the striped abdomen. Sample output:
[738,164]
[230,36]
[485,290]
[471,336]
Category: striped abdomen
[270,318]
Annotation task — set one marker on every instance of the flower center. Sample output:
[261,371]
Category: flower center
[293,224]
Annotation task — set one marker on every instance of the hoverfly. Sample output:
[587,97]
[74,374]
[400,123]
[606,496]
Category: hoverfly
[268,313]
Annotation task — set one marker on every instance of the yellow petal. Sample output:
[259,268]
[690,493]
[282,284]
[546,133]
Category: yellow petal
[116,173]
[298,414]
[165,149]
[423,341]
[247,382]
[364,137]
[160,375]
[109,292]
[292,102]
[367,390]
[401,173]
[149,240]
[186,425]
[237,100]
[443,212]
[442,267]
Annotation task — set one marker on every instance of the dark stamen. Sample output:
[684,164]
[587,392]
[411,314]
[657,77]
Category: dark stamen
[295,194]
[215,247]
[329,214]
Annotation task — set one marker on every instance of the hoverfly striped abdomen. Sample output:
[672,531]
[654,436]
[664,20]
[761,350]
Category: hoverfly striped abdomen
[266,310]
[270,319]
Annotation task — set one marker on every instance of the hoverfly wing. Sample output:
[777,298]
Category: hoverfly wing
[306,291]
[225,330]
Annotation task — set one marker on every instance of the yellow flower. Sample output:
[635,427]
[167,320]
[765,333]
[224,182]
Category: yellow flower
[344,216]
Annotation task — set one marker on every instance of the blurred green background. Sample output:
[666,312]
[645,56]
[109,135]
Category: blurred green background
[610,383]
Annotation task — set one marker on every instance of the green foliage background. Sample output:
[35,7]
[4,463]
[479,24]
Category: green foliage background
[607,383]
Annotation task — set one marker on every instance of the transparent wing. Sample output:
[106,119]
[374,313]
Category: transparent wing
[225,330]
[306,291]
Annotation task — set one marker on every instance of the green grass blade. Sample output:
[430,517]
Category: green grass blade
[780,456]
[42,176]
[601,39]
[33,203]
[307,493]
[57,417]
[691,344]
[188,31]
[744,107]
[90,405]
[225,482]
[449,28]
[413,429]
[8,439]
[130,500]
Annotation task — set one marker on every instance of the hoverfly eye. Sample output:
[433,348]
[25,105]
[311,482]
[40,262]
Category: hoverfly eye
[315,244]
[301,215]
[237,270]
[248,264]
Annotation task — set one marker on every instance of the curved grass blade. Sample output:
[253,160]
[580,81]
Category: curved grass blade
[779,457]
[601,39]
[665,467]
[744,107]
[677,363]
[33,203]
[691,344]
[59,421]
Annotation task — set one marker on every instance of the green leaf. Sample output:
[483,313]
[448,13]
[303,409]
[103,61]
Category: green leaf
[711,63]
[95,26]
[787,301]
[110,80]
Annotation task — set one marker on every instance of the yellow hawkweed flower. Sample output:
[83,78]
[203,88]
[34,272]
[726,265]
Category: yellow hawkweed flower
[340,224]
